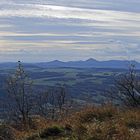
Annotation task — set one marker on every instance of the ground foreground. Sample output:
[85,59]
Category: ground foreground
[92,123]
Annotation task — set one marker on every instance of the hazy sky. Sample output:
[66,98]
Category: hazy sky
[44,30]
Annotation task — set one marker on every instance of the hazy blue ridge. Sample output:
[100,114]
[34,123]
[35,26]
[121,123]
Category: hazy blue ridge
[90,63]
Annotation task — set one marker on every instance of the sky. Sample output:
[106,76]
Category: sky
[45,30]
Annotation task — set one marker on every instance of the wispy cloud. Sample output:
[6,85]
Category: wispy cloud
[36,30]
[36,10]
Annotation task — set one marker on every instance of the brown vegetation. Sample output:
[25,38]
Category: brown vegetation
[92,123]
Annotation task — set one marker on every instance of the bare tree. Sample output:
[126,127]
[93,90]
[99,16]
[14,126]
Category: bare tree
[19,89]
[42,105]
[46,104]
[64,101]
[54,103]
[61,98]
[127,88]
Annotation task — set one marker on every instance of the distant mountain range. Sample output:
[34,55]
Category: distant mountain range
[90,63]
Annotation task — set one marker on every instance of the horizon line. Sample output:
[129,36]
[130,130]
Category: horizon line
[69,61]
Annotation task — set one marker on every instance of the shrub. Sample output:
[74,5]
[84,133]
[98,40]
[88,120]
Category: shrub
[80,132]
[98,114]
[68,129]
[52,131]
[131,119]
[108,131]
[33,137]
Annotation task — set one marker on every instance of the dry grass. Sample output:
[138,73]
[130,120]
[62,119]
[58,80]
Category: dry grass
[106,123]
[92,123]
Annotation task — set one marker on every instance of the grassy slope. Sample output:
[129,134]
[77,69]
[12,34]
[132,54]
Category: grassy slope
[93,123]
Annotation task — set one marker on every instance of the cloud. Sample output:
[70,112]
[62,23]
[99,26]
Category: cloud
[38,30]
[51,11]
